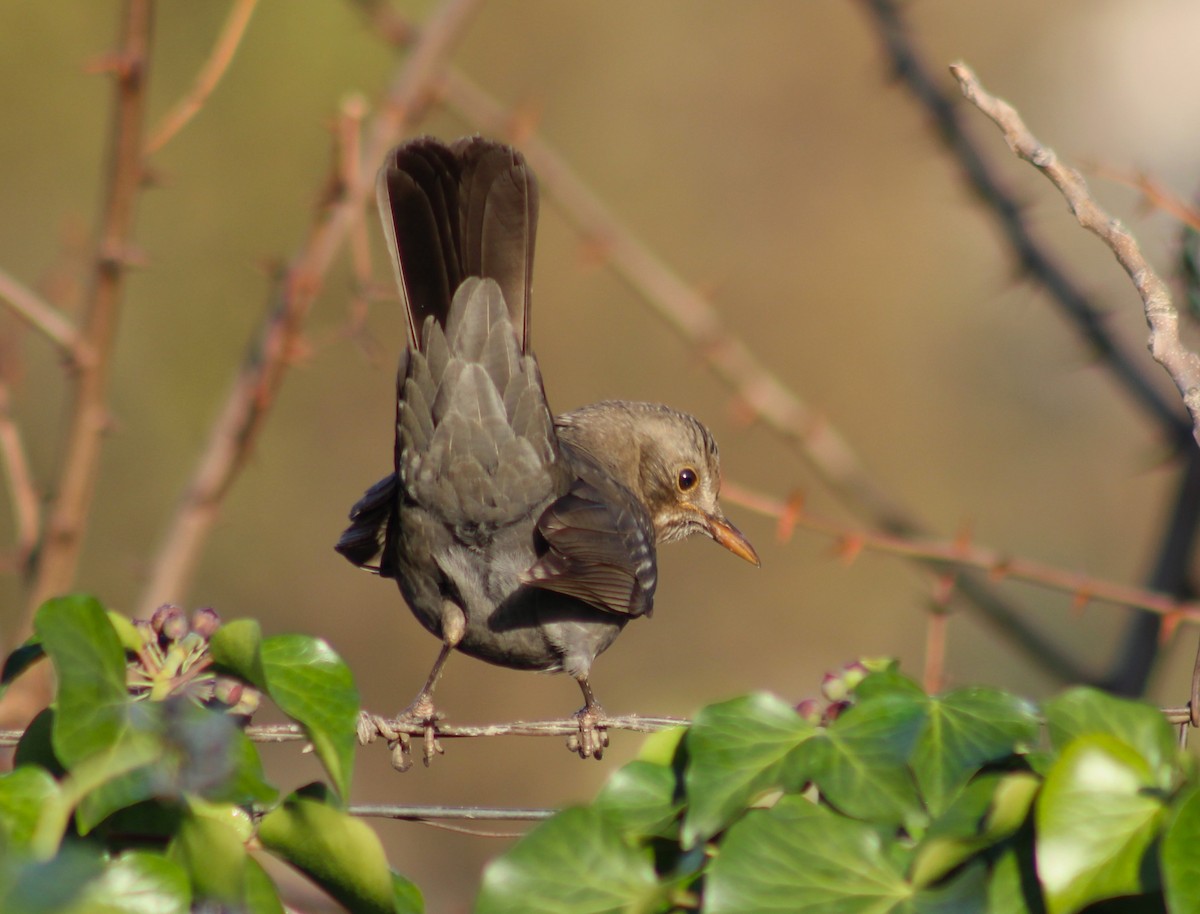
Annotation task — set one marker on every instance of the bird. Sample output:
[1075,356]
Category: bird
[517,537]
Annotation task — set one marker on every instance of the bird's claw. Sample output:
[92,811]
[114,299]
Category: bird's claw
[396,732]
[591,739]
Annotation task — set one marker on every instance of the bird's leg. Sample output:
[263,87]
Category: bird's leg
[421,710]
[592,738]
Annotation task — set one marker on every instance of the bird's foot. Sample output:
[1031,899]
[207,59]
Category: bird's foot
[592,738]
[396,731]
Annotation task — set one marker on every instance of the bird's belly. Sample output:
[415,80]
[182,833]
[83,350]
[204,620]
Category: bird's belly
[508,623]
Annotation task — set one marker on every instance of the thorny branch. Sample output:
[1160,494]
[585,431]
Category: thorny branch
[1165,345]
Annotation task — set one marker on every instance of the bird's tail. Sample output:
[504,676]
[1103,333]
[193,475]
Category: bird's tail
[451,212]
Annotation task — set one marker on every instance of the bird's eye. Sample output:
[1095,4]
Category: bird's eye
[687,479]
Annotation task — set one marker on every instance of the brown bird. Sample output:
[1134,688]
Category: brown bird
[522,539]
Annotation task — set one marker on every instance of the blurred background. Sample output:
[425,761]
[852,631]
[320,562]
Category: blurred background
[761,150]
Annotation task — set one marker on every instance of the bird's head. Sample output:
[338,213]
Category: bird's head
[669,459]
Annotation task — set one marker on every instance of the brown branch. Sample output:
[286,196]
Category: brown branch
[1155,193]
[962,554]
[20,482]
[60,550]
[1032,254]
[236,429]
[1168,350]
[206,80]
[43,317]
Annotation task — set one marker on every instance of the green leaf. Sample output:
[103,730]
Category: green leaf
[577,862]
[640,800]
[1013,887]
[86,790]
[341,853]
[236,647]
[210,849]
[24,792]
[964,730]
[800,858]
[139,882]
[737,751]
[127,633]
[92,704]
[1081,711]
[50,886]
[1180,856]
[860,761]
[1095,820]
[988,810]
[312,685]
[261,895]
[36,746]
[306,679]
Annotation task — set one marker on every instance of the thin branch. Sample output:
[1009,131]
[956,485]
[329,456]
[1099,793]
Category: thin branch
[26,516]
[1165,345]
[1155,194]
[206,81]
[43,317]
[961,553]
[60,550]
[1031,252]
[694,319]
[236,429]
[451,813]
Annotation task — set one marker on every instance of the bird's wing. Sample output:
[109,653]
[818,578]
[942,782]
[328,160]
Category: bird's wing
[598,547]
[363,541]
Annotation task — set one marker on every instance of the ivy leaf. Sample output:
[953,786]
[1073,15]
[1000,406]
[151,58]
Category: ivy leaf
[24,793]
[640,799]
[92,708]
[340,853]
[576,863]
[800,857]
[1096,817]
[860,761]
[312,685]
[139,882]
[964,730]
[737,751]
[1180,862]
[1081,711]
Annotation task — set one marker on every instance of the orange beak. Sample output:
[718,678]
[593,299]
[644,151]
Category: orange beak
[730,537]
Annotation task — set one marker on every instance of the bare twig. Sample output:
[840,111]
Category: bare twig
[1032,253]
[20,481]
[206,80]
[60,550]
[43,317]
[1168,350]
[1155,194]
[236,429]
